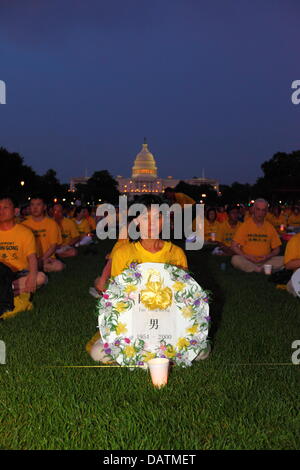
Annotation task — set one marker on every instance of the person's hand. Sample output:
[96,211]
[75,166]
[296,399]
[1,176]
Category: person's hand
[253,259]
[99,284]
[263,259]
[30,284]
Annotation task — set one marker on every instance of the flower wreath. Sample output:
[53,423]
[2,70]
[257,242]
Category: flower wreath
[189,297]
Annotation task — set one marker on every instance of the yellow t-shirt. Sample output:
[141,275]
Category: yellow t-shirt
[182,199]
[15,246]
[277,221]
[257,240]
[120,242]
[46,232]
[91,222]
[210,228]
[292,250]
[294,220]
[134,252]
[68,230]
[225,232]
[82,226]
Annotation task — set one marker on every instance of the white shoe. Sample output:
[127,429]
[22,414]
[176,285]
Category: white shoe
[204,354]
[97,353]
[94,292]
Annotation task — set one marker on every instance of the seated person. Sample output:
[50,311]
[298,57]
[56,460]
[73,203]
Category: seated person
[69,233]
[211,225]
[292,259]
[256,242]
[18,250]
[294,217]
[24,213]
[149,248]
[226,231]
[287,211]
[83,227]
[221,214]
[277,218]
[242,212]
[89,218]
[47,235]
[248,213]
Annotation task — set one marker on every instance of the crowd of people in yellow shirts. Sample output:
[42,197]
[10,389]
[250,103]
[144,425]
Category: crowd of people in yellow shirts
[34,244]
[31,243]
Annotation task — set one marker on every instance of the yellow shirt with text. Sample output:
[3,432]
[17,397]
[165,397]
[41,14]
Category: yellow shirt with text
[68,230]
[225,232]
[16,245]
[210,228]
[46,232]
[257,240]
[135,252]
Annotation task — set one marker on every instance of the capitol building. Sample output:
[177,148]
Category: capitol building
[144,177]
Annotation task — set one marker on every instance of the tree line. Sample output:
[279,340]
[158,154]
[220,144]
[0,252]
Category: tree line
[280,182]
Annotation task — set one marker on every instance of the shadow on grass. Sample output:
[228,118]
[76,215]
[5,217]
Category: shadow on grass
[201,269]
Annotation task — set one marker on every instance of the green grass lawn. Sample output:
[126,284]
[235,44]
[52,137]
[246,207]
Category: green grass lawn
[239,398]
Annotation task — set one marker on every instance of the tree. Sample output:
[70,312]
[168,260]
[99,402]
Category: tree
[195,191]
[281,177]
[236,193]
[100,186]
[50,186]
[15,177]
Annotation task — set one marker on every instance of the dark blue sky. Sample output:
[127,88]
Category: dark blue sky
[207,82]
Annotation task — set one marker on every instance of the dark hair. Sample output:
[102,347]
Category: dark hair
[169,190]
[147,200]
[10,197]
[88,208]
[77,211]
[277,207]
[39,196]
[231,208]
[209,209]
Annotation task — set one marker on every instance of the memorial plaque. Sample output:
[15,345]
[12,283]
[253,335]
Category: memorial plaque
[153,310]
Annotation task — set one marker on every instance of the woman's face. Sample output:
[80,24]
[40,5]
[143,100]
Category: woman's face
[211,216]
[150,223]
[80,215]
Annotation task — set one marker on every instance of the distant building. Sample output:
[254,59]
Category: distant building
[79,180]
[144,177]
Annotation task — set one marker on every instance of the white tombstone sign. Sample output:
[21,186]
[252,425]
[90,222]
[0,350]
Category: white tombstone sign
[153,310]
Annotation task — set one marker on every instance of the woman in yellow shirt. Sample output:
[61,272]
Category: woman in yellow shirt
[211,225]
[277,218]
[148,249]
[83,227]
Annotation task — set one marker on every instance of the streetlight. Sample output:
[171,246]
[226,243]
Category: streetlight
[22,183]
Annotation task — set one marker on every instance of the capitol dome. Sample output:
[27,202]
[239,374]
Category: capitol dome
[144,165]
